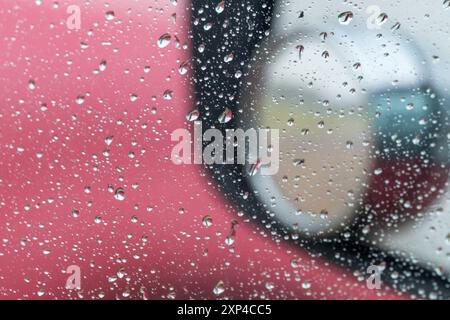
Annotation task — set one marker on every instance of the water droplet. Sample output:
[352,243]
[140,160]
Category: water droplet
[109,140]
[325,54]
[298,162]
[119,194]
[173,18]
[345,17]
[270,286]
[410,106]
[168,94]
[290,122]
[231,237]
[229,57]
[220,7]
[226,116]
[164,40]
[193,115]
[323,35]
[102,66]
[79,99]
[296,262]
[207,221]
[183,68]
[201,48]
[207,26]
[254,168]
[133,97]
[306,285]
[396,26]
[381,19]
[357,65]
[109,15]
[300,49]
[75,213]
[446,4]
[31,84]
[219,288]
[229,240]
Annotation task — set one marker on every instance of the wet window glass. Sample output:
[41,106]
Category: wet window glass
[236,149]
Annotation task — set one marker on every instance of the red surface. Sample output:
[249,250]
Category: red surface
[36,44]
[405,181]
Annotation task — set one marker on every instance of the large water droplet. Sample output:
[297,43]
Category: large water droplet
[109,15]
[345,17]
[31,84]
[193,115]
[164,40]
[226,116]
[396,26]
[109,140]
[102,66]
[183,68]
[75,213]
[119,194]
[220,7]
[168,94]
[79,99]
[300,49]
[446,4]
[229,57]
[207,221]
[381,19]
[219,288]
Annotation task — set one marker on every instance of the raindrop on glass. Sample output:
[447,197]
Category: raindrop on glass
[183,68]
[396,26]
[102,66]
[207,221]
[345,17]
[79,99]
[109,15]
[164,40]
[220,7]
[446,4]
[193,115]
[219,288]
[31,84]
[381,19]
[119,194]
[226,116]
